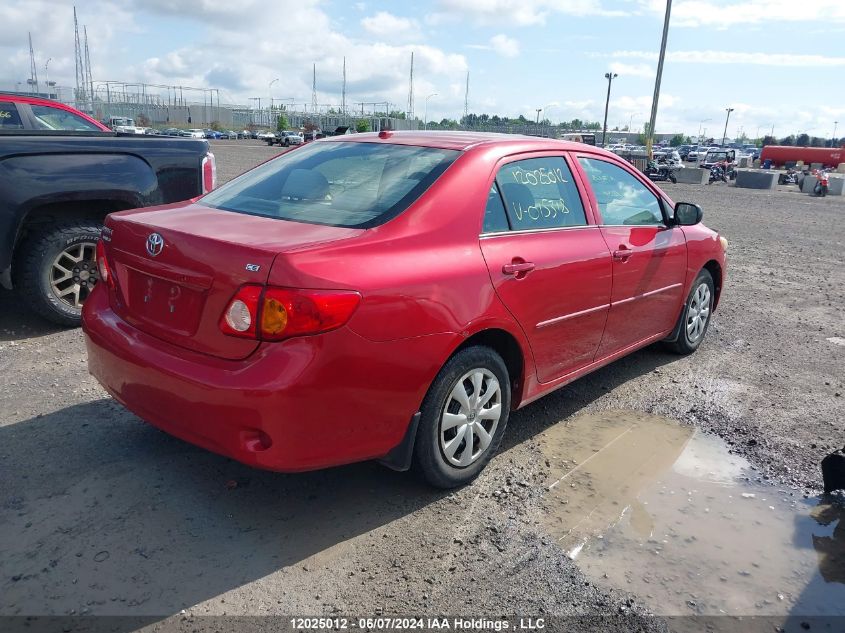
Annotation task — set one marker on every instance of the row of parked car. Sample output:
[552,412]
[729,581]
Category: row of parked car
[211,134]
[693,153]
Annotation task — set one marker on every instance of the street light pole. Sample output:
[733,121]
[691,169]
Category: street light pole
[425,110]
[835,124]
[270,91]
[727,118]
[539,110]
[610,77]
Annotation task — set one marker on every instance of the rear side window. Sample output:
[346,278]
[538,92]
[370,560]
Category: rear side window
[358,185]
[49,118]
[540,193]
[9,117]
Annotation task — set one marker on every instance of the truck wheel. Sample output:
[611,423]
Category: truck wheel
[57,269]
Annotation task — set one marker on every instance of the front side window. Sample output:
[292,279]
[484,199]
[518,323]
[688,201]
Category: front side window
[9,117]
[49,118]
[358,185]
[540,193]
[622,199]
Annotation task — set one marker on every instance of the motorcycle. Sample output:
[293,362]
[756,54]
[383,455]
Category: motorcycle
[717,173]
[790,177]
[821,184]
[659,172]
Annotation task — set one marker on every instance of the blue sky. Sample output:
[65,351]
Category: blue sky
[778,63]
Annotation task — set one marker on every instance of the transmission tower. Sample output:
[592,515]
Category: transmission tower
[80,67]
[33,71]
[466,100]
[343,91]
[411,90]
[314,90]
[90,85]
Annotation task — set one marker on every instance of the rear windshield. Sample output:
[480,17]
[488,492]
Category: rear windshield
[357,185]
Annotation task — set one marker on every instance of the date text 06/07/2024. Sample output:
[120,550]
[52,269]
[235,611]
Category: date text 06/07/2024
[416,623]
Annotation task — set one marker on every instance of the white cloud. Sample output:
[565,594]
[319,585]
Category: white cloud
[504,45]
[692,13]
[733,58]
[391,27]
[632,70]
[501,44]
[514,12]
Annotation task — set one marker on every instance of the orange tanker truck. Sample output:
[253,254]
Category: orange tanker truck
[782,154]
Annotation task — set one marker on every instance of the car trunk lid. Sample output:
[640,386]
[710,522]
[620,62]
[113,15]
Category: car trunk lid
[178,267]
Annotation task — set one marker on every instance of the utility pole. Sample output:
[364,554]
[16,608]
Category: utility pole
[314,90]
[653,120]
[343,90]
[610,77]
[835,125]
[80,69]
[33,71]
[411,90]
[466,100]
[88,69]
[727,118]
[537,120]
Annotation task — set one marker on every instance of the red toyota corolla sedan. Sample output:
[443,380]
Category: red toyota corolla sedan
[392,296]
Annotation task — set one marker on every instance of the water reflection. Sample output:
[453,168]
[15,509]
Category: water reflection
[650,506]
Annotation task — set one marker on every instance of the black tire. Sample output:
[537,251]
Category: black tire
[685,344]
[34,269]
[287,143]
[673,178]
[430,461]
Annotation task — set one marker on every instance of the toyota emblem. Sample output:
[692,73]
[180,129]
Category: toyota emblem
[155,244]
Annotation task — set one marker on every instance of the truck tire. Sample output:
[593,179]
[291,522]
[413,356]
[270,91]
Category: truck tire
[56,269]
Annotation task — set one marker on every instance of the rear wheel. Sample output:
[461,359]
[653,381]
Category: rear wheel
[464,416]
[695,317]
[57,270]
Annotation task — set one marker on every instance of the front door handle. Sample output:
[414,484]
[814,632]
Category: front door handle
[622,254]
[518,269]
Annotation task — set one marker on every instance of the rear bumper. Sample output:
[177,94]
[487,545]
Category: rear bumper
[323,401]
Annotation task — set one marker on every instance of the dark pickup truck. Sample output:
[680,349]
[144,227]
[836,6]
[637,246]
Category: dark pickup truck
[57,186]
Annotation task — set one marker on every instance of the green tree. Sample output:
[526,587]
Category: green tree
[803,140]
[677,140]
[282,123]
[769,140]
[362,125]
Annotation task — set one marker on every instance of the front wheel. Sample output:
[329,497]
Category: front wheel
[673,178]
[695,317]
[57,269]
[464,416]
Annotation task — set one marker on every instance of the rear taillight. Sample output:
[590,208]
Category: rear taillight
[209,173]
[274,314]
[103,265]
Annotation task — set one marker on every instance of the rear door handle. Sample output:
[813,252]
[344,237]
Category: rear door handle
[622,254]
[518,269]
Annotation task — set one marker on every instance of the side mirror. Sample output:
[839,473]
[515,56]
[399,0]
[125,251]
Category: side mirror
[687,214]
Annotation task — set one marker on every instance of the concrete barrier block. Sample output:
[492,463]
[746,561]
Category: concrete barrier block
[841,168]
[816,165]
[756,179]
[808,184]
[757,163]
[693,175]
[835,185]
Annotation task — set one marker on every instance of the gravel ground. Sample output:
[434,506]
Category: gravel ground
[102,514]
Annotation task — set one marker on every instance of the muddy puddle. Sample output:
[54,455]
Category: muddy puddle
[655,508]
